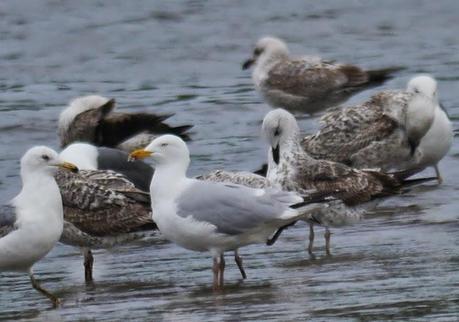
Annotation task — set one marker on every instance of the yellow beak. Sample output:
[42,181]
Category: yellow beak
[68,166]
[139,154]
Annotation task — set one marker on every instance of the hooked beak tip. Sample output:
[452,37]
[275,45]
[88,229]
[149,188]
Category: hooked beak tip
[69,166]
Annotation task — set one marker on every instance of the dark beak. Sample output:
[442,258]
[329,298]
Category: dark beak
[276,154]
[248,63]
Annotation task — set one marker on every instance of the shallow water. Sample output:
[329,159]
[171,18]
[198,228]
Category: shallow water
[184,57]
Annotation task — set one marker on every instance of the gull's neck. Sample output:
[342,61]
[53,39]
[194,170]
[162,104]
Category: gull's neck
[290,151]
[420,115]
[167,180]
[265,63]
[41,198]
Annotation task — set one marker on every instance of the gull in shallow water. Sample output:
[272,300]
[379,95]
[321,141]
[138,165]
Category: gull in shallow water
[32,223]
[393,130]
[105,204]
[91,119]
[293,169]
[208,216]
[306,83]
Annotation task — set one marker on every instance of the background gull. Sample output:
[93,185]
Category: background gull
[292,168]
[91,119]
[306,83]
[393,130]
[103,208]
[206,216]
[32,224]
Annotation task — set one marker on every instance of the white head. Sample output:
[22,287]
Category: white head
[280,128]
[83,155]
[425,85]
[42,160]
[80,105]
[266,49]
[166,150]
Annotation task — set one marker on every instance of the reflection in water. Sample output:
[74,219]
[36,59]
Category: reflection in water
[184,58]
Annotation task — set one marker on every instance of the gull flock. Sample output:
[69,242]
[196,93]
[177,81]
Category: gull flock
[122,177]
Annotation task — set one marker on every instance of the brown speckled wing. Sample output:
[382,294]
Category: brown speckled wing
[297,77]
[103,203]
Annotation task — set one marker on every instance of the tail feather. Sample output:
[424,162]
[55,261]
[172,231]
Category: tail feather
[378,76]
[182,131]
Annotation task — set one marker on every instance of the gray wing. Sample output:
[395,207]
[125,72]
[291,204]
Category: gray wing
[244,178]
[138,172]
[7,219]
[233,209]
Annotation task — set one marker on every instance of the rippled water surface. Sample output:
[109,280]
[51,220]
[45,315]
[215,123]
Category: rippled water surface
[401,262]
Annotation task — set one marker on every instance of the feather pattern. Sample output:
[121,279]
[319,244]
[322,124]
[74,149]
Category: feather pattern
[103,204]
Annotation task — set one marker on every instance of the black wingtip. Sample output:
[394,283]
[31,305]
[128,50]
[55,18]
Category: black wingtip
[383,74]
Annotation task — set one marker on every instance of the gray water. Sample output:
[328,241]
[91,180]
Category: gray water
[184,57]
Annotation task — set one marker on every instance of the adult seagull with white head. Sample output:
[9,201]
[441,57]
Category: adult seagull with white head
[32,223]
[208,216]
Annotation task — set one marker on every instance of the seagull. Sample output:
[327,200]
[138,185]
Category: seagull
[291,168]
[306,83]
[245,178]
[32,223]
[91,119]
[207,216]
[104,204]
[436,143]
[393,130]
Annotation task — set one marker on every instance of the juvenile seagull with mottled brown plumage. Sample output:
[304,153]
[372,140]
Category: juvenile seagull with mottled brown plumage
[393,130]
[92,119]
[293,169]
[306,83]
[104,204]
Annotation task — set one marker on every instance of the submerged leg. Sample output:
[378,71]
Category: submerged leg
[56,301]
[222,270]
[327,241]
[311,239]
[215,270]
[88,264]
[238,260]
[437,172]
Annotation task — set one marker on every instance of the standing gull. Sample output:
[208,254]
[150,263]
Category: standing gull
[293,169]
[306,83]
[207,216]
[393,130]
[104,204]
[244,178]
[91,119]
[32,224]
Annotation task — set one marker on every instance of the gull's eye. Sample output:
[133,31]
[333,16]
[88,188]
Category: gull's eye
[257,51]
[45,157]
[164,144]
[277,131]
[416,90]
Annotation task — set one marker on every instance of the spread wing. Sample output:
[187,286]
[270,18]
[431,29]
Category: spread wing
[300,78]
[103,203]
